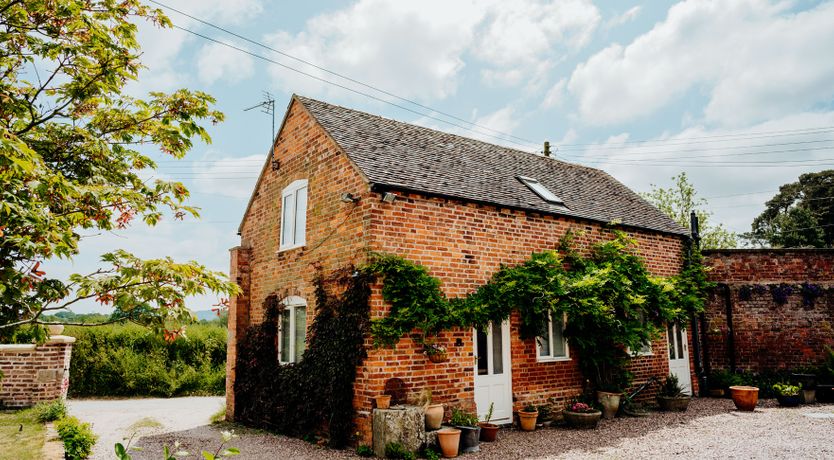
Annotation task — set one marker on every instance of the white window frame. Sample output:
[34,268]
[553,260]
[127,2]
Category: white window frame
[539,189]
[550,358]
[291,305]
[641,351]
[297,240]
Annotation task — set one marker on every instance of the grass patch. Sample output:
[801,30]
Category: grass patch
[145,423]
[25,444]
[219,416]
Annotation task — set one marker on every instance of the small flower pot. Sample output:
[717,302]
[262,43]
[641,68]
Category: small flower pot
[527,420]
[809,396]
[610,403]
[434,416]
[673,404]
[469,439]
[449,440]
[582,420]
[489,431]
[745,398]
[789,401]
[383,401]
[55,329]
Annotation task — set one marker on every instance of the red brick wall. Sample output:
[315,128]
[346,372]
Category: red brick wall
[463,244]
[769,336]
[35,374]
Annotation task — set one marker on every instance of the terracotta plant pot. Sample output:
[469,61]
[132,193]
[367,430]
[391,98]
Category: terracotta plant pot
[745,398]
[610,403]
[383,401]
[582,420]
[527,420]
[469,439]
[489,431]
[434,416]
[673,404]
[449,440]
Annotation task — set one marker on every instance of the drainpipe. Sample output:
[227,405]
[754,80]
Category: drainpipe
[731,343]
[705,350]
[695,241]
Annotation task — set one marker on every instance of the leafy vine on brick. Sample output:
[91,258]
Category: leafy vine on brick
[313,397]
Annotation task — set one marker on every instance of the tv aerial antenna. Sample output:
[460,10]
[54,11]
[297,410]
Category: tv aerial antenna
[267,106]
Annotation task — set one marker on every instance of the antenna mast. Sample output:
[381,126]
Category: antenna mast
[267,106]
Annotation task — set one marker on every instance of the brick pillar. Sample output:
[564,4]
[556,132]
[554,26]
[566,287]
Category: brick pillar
[35,373]
[240,273]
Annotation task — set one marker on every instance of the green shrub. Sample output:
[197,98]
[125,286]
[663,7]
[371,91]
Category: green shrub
[130,360]
[78,438]
[462,418]
[364,450]
[50,411]
[397,450]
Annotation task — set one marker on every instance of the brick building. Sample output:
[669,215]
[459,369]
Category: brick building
[340,183]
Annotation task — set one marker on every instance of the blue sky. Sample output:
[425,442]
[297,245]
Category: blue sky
[641,90]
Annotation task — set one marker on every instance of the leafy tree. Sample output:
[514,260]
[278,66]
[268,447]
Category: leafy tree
[800,215]
[70,161]
[679,201]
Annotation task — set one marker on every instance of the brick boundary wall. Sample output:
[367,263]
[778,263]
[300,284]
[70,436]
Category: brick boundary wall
[35,373]
[763,335]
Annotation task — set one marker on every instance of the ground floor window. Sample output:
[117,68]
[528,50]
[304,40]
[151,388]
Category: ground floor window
[551,342]
[293,331]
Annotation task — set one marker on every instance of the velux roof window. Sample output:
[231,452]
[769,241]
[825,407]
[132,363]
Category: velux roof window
[540,190]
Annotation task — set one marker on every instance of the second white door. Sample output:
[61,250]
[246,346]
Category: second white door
[493,381]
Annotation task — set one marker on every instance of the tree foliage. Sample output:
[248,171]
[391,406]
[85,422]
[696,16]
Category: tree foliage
[71,160]
[800,215]
[679,201]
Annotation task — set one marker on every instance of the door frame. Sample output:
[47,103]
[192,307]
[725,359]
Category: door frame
[506,351]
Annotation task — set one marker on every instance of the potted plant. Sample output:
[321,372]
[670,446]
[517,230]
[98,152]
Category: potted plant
[470,432]
[788,395]
[745,397]
[581,415]
[433,412]
[382,401]
[527,417]
[488,430]
[436,353]
[671,396]
[449,440]
[808,382]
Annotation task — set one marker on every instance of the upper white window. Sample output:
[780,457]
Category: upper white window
[294,215]
[540,190]
[292,335]
[551,344]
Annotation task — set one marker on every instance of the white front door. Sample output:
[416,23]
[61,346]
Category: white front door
[679,356]
[493,384]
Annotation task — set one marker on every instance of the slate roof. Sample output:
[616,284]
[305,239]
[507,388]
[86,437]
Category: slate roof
[412,158]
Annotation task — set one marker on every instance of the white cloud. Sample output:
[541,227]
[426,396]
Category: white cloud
[418,49]
[228,176]
[218,62]
[754,59]
[620,19]
[555,95]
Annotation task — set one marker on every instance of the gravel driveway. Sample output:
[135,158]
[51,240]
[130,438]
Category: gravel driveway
[113,420]
[711,428]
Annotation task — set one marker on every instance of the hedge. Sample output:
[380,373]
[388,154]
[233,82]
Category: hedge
[130,360]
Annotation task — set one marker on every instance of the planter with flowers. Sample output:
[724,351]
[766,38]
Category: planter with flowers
[581,415]
[435,353]
[788,395]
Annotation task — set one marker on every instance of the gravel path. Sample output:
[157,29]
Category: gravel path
[711,428]
[114,420]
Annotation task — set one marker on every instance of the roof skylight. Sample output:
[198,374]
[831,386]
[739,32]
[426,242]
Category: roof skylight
[540,190]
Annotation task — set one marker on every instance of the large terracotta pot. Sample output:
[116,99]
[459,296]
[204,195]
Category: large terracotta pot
[449,440]
[527,420]
[583,420]
[434,416]
[745,398]
[673,404]
[489,431]
[610,403]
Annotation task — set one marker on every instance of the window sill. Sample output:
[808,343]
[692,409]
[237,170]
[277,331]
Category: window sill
[642,354]
[553,360]
[290,248]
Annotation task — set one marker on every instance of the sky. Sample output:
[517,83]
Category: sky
[737,94]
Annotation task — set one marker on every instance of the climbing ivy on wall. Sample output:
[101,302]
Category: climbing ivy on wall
[314,397]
